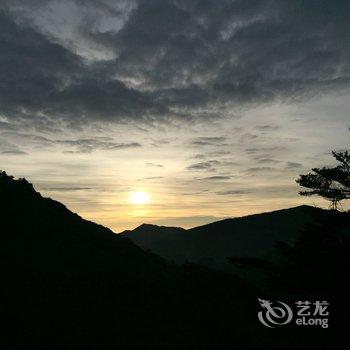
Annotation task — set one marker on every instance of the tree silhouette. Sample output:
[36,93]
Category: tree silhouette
[318,261]
[333,184]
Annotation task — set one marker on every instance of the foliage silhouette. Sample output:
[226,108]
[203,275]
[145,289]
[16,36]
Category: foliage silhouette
[315,267]
[333,184]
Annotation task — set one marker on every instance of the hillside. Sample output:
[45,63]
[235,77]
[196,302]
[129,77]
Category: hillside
[68,283]
[252,236]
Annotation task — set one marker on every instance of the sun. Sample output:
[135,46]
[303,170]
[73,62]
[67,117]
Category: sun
[139,198]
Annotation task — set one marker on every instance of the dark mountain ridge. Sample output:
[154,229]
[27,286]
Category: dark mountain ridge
[253,235]
[68,283]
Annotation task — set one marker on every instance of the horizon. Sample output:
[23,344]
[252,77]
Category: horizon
[150,224]
[172,113]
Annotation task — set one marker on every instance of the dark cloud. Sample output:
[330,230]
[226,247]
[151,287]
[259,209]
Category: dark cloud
[27,4]
[216,178]
[35,140]
[13,152]
[233,192]
[267,160]
[7,126]
[104,100]
[257,151]
[201,52]
[175,59]
[210,154]
[154,165]
[209,141]
[293,165]
[255,170]
[151,178]
[32,69]
[87,145]
[248,136]
[267,127]
[199,156]
[90,145]
[206,166]
[66,189]
[159,143]
[40,78]
[10,148]
[105,8]
[212,165]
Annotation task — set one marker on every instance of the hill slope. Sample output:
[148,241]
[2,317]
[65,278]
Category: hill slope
[67,283]
[253,236]
[71,284]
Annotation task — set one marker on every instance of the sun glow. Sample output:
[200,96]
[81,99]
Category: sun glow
[139,198]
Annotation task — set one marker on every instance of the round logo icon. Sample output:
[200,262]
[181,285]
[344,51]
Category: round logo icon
[273,315]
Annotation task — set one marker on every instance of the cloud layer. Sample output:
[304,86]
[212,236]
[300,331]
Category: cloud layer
[170,58]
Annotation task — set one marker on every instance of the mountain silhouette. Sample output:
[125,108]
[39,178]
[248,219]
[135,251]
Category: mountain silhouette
[68,283]
[253,236]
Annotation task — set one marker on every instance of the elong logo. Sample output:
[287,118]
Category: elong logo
[278,313]
[274,315]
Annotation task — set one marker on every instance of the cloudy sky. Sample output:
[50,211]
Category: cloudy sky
[212,107]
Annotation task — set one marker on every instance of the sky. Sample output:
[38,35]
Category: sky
[210,107]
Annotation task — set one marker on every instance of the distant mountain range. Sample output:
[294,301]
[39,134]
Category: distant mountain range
[212,244]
